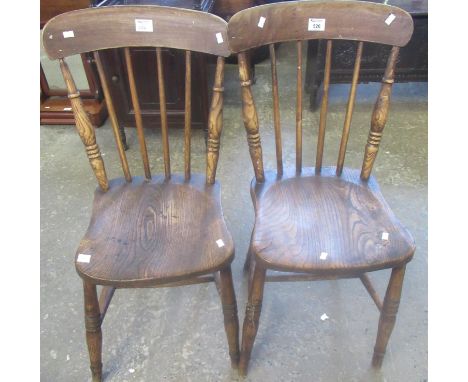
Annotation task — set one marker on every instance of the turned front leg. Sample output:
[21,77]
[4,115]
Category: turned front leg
[252,317]
[388,314]
[93,329]
[231,321]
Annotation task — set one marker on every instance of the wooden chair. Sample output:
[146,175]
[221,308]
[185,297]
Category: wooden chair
[321,222]
[157,230]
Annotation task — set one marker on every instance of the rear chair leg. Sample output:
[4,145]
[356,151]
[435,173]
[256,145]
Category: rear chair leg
[93,329]
[231,321]
[388,314]
[252,316]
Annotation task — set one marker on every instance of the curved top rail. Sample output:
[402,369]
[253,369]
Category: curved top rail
[347,20]
[92,29]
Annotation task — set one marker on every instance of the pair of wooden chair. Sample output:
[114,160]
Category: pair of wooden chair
[168,230]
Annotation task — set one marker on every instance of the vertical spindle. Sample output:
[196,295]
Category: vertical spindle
[276,111]
[349,110]
[323,109]
[188,113]
[113,118]
[299,109]
[163,111]
[136,108]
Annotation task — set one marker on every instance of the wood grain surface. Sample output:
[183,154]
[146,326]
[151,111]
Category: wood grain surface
[150,232]
[348,20]
[300,216]
[114,27]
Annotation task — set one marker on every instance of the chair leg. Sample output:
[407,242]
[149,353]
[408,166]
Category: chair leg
[388,314]
[252,316]
[248,257]
[231,321]
[93,329]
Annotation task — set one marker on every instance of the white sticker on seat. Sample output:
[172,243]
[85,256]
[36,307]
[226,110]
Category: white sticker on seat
[385,235]
[143,25]
[324,317]
[82,258]
[323,255]
[220,243]
[390,19]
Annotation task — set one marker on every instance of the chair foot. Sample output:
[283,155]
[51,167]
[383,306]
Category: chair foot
[231,321]
[93,330]
[252,317]
[388,314]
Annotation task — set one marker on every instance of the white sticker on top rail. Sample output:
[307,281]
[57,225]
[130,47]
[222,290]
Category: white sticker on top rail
[68,34]
[143,25]
[317,25]
[385,236]
[82,258]
[323,255]
[261,21]
[390,19]
[219,38]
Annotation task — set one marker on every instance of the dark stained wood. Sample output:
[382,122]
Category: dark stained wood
[162,231]
[276,111]
[105,299]
[250,118]
[93,330]
[138,120]
[349,111]
[370,289]
[388,314]
[162,105]
[231,321]
[321,223]
[379,116]
[344,217]
[299,108]
[113,118]
[215,123]
[114,27]
[188,114]
[288,21]
[84,128]
[323,110]
[252,316]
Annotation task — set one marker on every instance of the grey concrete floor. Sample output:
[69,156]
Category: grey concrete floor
[177,334]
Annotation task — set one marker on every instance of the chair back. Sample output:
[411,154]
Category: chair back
[96,29]
[363,22]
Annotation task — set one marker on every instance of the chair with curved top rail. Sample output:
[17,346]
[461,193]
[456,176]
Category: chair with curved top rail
[158,230]
[321,222]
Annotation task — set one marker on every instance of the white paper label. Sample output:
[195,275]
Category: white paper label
[143,25]
[219,38]
[67,109]
[220,243]
[68,34]
[390,19]
[323,255]
[384,235]
[317,25]
[324,317]
[261,22]
[82,258]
